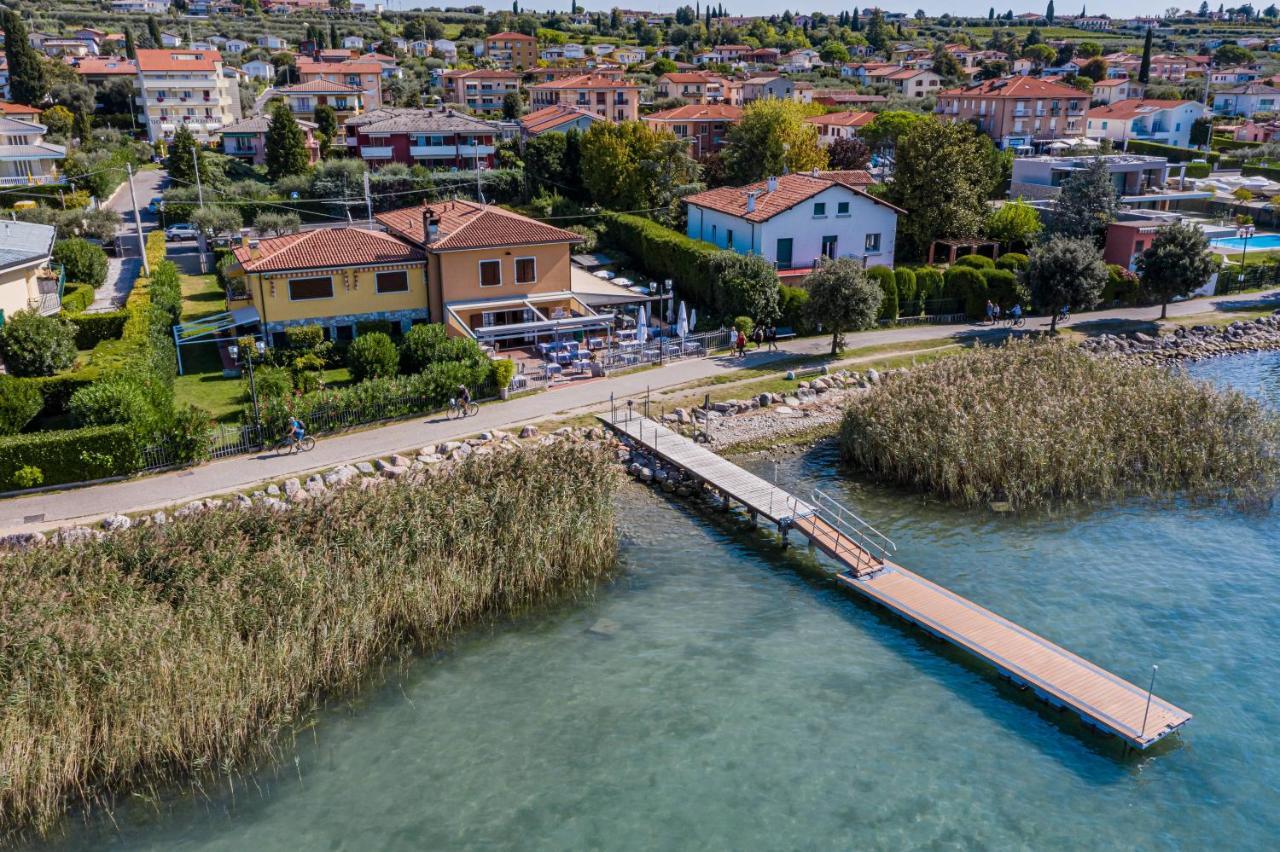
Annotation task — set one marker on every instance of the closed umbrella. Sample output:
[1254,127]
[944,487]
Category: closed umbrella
[642,327]
[693,319]
[682,326]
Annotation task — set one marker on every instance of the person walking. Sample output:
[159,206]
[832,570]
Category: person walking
[742,344]
[995,316]
[757,336]
[772,336]
[991,312]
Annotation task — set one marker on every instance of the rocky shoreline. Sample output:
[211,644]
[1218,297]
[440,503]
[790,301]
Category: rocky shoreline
[1190,344]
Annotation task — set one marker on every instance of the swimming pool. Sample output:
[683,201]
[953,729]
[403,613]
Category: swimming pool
[1259,241]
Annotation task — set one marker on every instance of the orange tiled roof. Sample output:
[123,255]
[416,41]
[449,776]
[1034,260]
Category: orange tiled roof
[690,77]
[176,59]
[548,118]
[105,65]
[792,190]
[327,248]
[698,112]
[1018,87]
[353,66]
[510,37]
[7,108]
[468,225]
[843,119]
[318,87]
[586,81]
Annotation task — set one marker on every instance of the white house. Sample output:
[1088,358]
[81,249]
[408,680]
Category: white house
[259,69]
[235,46]
[1166,122]
[170,39]
[628,55]
[271,42]
[445,49]
[601,50]
[353,42]
[1118,89]
[795,220]
[1246,100]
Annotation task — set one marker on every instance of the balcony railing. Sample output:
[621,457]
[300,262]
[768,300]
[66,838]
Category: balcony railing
[450,150]
[375,152]
[32,180]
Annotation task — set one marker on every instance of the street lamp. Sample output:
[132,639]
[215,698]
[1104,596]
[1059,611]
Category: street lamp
[1244,232]
[234,351]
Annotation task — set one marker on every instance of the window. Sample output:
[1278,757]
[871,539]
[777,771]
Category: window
[526,270]
[490,273]
[728,238]
[829,246]
[873,243]
[301,289]
[842,209]
[714,233]
[392,282]
[819,210]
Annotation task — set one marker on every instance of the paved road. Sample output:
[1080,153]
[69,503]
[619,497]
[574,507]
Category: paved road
[42,510]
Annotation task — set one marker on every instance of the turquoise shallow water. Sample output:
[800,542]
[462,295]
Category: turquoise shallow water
[721,694]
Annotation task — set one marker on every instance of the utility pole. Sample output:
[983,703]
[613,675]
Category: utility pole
[195,161]
[137,221]
[368,200]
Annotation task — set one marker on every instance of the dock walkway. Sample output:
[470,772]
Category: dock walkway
[1063,679]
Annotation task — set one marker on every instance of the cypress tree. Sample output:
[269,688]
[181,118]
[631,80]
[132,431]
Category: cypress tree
[286,144]
[1144,70]
[857,21]
[183,152]
[333,35]
[130,49]
[1048,13]
[81,129]
[153,30]
[26,74]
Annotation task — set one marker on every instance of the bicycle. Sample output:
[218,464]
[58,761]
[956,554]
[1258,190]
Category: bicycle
[289,445]
[1017,322]
[460,409]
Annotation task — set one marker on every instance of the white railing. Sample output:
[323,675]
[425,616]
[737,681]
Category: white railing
[31,180]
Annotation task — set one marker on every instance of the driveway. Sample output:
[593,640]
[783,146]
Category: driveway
[122,272]
[39,511]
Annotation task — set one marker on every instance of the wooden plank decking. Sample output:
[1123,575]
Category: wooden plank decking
[1060,677]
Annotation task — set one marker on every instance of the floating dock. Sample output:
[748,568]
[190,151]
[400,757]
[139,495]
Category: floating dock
[1103,700]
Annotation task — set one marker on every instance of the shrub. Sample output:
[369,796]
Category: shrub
[1004,288]
[386,327]
[966,284]
[744,324]
[929,285]
[28,476]
[92,329]
[976,261]
[304,338]
[793,302]
[1013,261]
[188,434]
[1171,152]
[83,261]
[20,402]
[421,346]
[907,301]
[372,356]
[1122,286]
[76,297]
[33,345]
[165,292]
[271,382]
[306,372]
[70,455]
[503,371]
[121,400]
[884,278]
[1199,171]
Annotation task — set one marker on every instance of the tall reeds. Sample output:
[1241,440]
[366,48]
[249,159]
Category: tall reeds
[1041,423]
[140,660]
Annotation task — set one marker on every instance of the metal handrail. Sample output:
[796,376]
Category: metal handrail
[855,528]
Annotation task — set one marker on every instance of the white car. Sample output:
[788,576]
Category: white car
[181,231]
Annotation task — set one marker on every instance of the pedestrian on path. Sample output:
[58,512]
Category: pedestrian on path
[742,344]
[757,336]
[991,313]
[772,336]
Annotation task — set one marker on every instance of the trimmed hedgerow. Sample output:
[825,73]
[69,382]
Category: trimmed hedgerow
[70,455]
[665,253]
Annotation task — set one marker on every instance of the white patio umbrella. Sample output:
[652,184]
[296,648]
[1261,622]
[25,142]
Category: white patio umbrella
[693,319]
[642,327]
[682,326]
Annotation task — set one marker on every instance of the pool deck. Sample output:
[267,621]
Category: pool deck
[1103,700]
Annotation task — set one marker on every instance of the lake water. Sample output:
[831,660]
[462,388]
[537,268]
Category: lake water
[719,693]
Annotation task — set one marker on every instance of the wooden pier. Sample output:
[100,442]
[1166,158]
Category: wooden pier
[1059,677]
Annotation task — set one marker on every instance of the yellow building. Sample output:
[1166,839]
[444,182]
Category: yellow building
[335,277]
[495,275]
[512,50]
[26,282]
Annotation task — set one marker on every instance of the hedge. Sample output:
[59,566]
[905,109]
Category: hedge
[968,284]
[665,253]
[1269,172]
[1172,152]
[1227,143]
[1199,170]
[92,329]
[70,455]
[76,297]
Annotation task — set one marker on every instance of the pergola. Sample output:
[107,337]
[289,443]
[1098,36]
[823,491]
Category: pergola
[954,249]
[213,329]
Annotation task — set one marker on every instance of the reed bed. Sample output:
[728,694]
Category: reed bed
[1041,423]
[158,653]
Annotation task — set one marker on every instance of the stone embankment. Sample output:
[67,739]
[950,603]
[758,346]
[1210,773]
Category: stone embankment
[427,464]
[814,406]
[1191,344]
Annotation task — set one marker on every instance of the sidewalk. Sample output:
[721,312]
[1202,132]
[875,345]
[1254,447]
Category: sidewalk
[40,511]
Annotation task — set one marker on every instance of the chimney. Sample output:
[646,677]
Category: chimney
[751,200]
[773,184]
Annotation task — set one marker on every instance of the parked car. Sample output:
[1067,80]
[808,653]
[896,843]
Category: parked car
[181,231]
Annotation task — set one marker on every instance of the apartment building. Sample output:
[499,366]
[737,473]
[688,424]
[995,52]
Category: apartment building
[693,87]
[304,98]
[1017,111]
[436,138]
[512,50]
[613,99]
[1167,122]
[364,74]
[185,88]
[25,158]
[839,125]
[705,126]
[481,90]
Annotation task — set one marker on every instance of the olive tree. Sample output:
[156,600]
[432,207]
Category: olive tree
[1177,263]
[1066,271]
[842,298]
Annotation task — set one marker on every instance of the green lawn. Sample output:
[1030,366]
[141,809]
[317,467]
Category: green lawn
[201,297]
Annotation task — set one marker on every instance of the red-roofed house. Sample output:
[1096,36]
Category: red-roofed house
[435,138]
[704,125]
[796,220]
[97,70]
[557,119]
[365,74]
[693,87]
[613,99]
[1017,111]
[303,98]
[1166,122]
[185,87]
[839,125]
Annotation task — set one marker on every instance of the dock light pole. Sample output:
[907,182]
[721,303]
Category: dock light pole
[1151,688]
[1245,232]
[234,351]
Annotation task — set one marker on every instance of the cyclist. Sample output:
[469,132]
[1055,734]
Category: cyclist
[464,396]
[1064,313]
[296,431]
[1015,314]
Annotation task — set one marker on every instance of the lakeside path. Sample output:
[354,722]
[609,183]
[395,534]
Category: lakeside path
[57,508]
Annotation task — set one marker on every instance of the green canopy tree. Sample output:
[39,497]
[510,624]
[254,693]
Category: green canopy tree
[630,166]
[890,127]
[326,127]
[772,138]
[842,298]
[153,30]
[1065,272]
[1015,224]
[26,72]
[747,286]
[942,177]
[1176,263]
[286,144]
[184,155]
[1086,202]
